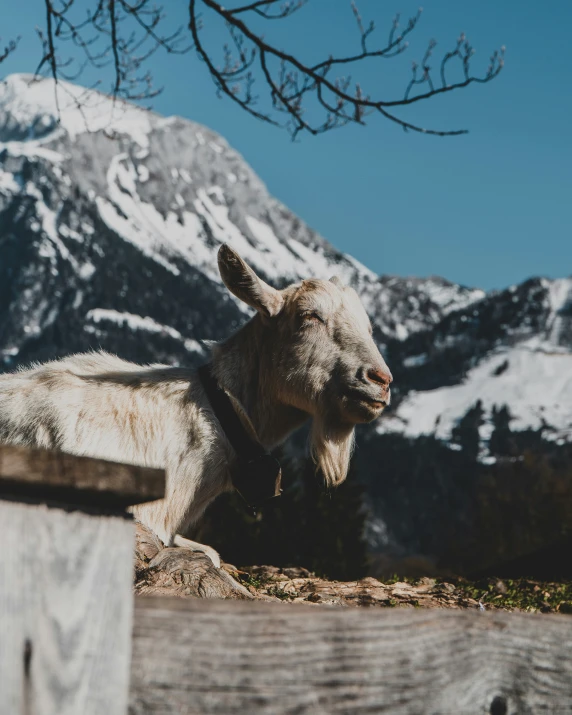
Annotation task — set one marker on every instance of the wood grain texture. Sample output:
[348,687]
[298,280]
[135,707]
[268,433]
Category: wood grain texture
[235,657]
[42,473]
[65,611]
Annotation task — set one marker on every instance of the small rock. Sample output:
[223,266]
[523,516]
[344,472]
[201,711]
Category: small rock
[369,582]
[297,572]
[289,587]
[266,572]
[447,587]
[427,581]
[500,587]
[313,597]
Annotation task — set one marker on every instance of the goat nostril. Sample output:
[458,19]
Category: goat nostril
[383,377]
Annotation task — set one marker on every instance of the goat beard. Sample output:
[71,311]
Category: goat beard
[331,448]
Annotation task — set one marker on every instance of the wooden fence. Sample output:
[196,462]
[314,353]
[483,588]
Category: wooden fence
[71,642]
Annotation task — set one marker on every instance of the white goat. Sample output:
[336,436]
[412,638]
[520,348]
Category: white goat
[307,354]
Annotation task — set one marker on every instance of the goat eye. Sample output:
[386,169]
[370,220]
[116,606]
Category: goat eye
[315,317]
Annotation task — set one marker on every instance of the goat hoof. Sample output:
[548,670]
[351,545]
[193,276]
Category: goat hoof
[199,548]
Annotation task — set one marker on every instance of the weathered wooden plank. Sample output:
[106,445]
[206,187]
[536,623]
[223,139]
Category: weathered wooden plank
[40,473]
[65,611]
[232,657]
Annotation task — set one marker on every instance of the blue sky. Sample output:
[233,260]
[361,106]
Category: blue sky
[487,209]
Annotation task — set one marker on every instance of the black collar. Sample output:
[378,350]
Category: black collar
[257,474]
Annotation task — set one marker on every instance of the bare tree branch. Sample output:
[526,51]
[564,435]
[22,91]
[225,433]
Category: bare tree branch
[220,81]
[125,34]
[285,10]
[9,48]
[121,33]
[295,84]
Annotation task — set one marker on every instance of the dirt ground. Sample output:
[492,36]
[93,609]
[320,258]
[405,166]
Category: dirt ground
[296,585]
[185,573]
[191,574]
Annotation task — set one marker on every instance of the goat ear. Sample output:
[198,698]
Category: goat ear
[243,282]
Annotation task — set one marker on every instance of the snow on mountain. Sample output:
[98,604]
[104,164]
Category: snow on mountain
[110,207]
[425,301]
[525,364]
[534,383]
[35,110]
[136,322]
[559,322]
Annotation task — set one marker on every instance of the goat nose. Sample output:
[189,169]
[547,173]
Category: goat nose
[380,375]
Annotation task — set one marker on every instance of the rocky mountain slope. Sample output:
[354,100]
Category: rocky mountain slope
[110,220]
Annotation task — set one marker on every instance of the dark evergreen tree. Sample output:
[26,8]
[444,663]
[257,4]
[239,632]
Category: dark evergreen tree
[466,432]
[501,443]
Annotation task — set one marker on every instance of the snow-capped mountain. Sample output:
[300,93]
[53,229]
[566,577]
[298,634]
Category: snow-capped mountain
[110,221]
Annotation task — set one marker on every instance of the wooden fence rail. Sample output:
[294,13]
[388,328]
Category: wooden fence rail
[72,644]
[239,657]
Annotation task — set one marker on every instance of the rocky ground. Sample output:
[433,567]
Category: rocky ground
[185,573]
[296,585]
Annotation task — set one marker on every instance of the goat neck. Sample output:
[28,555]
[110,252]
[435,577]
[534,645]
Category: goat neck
[243,367]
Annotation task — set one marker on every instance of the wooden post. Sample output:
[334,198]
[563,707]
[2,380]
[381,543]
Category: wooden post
[66,573]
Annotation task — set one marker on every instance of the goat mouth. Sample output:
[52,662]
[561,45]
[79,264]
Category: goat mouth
[376,404]
[364,398]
